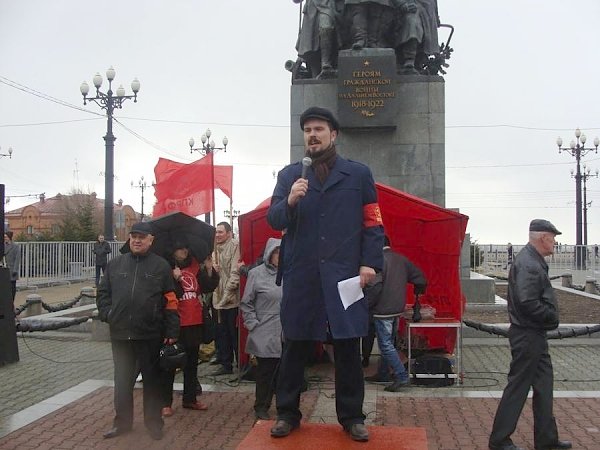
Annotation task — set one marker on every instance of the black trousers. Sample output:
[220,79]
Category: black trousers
[99,267]
[189,340]
[129,357]
[530,367]
[368,341]
[226,336]
[266,373]
[349,383]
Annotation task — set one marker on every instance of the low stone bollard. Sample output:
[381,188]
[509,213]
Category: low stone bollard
[85,300]
[567,280]
[34,305]
[590,286]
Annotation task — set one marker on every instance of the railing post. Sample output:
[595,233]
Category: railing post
[34,305]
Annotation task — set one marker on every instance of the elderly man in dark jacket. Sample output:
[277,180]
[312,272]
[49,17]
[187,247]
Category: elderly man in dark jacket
[136,298]
[532,310]
[334,232]
[387,299]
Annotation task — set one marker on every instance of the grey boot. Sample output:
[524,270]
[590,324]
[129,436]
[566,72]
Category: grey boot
[326,37]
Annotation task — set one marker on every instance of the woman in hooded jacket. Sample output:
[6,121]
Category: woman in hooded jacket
[260,307]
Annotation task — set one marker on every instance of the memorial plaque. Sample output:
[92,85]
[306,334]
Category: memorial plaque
[367,88]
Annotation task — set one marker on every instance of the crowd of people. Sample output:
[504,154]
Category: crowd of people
[331,231]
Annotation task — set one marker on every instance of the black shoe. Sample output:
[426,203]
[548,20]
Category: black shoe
[377,379]
[221,371]
[262,415]
[358,432]
[505,447]
[114,432]
[396,386]
[155,433]
[557,444]
[282,428]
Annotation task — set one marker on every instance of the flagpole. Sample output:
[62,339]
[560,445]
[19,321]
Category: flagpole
[212,172]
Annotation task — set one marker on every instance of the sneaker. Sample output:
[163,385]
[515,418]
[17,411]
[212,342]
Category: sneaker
[377,379]
[221,371]
[396,386]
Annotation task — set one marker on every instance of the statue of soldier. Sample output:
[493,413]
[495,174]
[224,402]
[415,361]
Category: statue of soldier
[318,41]
[415,34]
[370,21]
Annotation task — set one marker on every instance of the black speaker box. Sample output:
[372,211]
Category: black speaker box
[2,220]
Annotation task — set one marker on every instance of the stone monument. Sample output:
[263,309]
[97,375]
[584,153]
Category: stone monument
[378,65]
[352,59]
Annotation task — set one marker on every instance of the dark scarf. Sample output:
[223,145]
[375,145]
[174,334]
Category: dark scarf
[323,162]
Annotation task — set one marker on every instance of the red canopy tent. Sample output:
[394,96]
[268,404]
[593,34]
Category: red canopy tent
[429,235]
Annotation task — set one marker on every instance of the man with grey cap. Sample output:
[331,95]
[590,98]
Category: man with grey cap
[532,310]
[136,298]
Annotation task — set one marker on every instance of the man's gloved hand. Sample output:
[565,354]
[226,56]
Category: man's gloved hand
[420,289]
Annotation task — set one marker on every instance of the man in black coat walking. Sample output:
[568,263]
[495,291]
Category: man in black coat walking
[532,310]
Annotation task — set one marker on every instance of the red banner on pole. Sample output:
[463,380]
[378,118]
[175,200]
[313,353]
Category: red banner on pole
[187,189]
[223,174]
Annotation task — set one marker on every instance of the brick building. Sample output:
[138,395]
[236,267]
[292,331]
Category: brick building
[46,215]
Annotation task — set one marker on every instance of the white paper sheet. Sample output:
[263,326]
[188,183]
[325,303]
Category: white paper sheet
[350,291]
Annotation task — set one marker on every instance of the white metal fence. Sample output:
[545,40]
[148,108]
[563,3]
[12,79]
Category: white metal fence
[48,262]
[491,258]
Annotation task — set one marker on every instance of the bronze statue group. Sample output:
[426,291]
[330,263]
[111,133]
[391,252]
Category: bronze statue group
[408,26]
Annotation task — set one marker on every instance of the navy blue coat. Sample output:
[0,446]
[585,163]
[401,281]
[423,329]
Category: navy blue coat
[326,242]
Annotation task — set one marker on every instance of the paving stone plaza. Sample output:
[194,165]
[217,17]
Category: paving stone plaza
[59,396]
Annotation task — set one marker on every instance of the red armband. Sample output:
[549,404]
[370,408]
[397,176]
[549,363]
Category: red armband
[171,301]
[372,215]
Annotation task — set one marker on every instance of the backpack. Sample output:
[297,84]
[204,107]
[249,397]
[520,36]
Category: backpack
[432,365]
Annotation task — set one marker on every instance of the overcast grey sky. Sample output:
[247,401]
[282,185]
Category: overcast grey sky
[523,72]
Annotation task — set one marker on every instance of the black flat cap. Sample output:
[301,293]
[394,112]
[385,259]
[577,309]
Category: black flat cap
[141,228]
[316,112]
[543,225]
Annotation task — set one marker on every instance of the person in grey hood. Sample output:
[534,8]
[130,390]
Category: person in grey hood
[260,307]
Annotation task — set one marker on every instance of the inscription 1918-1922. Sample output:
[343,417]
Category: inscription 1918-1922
[367,89]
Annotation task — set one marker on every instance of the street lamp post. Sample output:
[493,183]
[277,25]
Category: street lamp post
[109,102]
[231,214]
[578,150]
[208,146]
[587,174]
[9,154]
[141,184]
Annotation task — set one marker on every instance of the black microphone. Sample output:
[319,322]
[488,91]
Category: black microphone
[306,163]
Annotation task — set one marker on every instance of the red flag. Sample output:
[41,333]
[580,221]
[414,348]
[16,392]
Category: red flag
[188,189]
[224,179]
[165,168]
[223,174]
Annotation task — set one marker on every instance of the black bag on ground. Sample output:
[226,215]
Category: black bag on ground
[432,365]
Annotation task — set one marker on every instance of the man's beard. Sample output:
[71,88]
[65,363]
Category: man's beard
[318,153]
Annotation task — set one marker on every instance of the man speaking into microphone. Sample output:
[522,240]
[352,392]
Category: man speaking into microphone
[334,232]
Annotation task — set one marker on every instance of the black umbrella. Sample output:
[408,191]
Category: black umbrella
[179,229]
